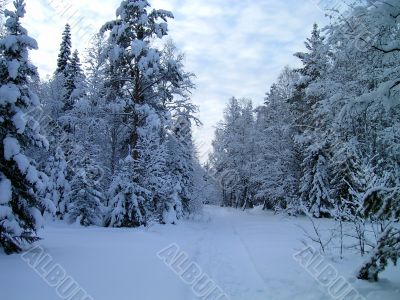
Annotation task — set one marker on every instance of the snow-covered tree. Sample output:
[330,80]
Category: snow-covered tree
[64,57]
[86,169]
[306,96]
[207,189]
[315,187]
[254,155]
[3,4]
[135,63]
[277,167]
[74,82]
[182,159]
[387,249]
[86,195]
[145,85]
[75,119]
[164,202]
[360,122]
[234,154]
[59,186]
[95,62]
[375,201]
[313,138]
[127,198]
[20,181]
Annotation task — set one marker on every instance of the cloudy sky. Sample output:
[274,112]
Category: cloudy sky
[235,47]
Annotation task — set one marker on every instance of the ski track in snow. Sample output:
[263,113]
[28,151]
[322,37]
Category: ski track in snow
[228,260]
[247,254]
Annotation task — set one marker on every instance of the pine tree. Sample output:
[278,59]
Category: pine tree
[144,81]
[64,56]
[387,249]
[315,186]
[74,82]
[127,198]
[86,195]
[75,110]
[308,93]
[86,171]
[96,71]
[313,136]
[135,63]
[59,186]
[234,154]
[314,61]
[181,159]
[20,181]
[152,167]
[3,4]
[276,168]
[103,124]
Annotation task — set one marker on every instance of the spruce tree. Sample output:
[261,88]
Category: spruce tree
[182,159]
[74,109]
[20,181]
[314,61]
[74,82]
[234,156]
[64,57]
[276,168]
[139,81]
[135,63]
[59,185]
[2,21]
[86,195]
[127,198]
[315,186]
[313,136]
[387,249]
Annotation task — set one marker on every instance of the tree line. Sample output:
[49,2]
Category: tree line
[105,142]
[326,143]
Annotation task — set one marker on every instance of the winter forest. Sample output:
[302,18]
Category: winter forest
[103,194]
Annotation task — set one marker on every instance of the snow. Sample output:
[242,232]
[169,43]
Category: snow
[30,42]
[5,212]
[34,99]
[13,67]
[248,254]
[12,226]
[139,4]
[115,53]
[19,120]
[22,162]
[32,175]
[9,94]
[5,190]
[37,216]
[161,29]
[137,47]
[143,19]
[11,147]
[165,13]
[391,46]
[9,42]
[169,215]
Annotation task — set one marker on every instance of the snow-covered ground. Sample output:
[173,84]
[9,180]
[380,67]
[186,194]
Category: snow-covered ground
[248,254]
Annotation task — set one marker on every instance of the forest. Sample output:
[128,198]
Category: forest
[107,142]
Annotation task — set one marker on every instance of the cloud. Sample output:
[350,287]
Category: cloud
[235,47]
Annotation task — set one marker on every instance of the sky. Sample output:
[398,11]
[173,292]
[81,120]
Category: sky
[235,47]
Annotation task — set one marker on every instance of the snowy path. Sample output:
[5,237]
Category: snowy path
[248,254]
